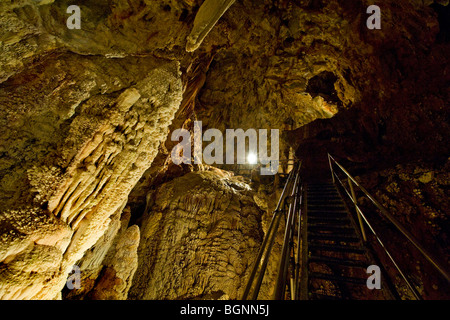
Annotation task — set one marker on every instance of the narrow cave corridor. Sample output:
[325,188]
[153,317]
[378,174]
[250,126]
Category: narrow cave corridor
[225,150]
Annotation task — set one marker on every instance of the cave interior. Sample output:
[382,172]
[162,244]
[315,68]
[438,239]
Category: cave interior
[100,200]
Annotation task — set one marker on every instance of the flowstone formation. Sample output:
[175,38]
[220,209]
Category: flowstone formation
[77,169]
[198,239]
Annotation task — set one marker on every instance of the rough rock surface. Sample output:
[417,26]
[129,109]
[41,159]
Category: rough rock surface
[198,239]
[402,94]
[77,134]
[116,278]
[87,155]
[417,195]
[99,255]
[82,119]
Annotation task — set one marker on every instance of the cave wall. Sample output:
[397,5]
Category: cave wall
[395,140]
[85,164]
[78,131]
[417,195]
[402,110]
[201,229]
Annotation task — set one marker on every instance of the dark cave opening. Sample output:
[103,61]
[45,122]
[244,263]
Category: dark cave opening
[323,85]
[443,13]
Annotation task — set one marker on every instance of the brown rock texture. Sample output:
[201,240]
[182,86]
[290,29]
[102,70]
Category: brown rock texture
[77,133]
[417,195]
[81,120]
[98,257]
[198,239]
[86,162]
[401,94]
[115,282]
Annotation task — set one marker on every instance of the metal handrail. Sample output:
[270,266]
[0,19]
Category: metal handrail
[288,234]
[360,214]
[267,245]
[389,217]
[296,290]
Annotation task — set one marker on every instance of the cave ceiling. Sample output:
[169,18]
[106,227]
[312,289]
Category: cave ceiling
[269,63]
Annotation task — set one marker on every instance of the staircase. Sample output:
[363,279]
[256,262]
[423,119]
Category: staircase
[334,255]
[323,255]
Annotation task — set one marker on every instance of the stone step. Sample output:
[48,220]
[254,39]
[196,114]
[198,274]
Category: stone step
[333,229]
[339,279]
[333,237]
[336,248]
[337,261]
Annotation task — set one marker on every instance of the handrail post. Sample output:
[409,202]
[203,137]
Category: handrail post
[280,285]
[331,169]
[358,212]
[261,259]
[299,234]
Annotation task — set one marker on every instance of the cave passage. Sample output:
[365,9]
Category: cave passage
[156,150]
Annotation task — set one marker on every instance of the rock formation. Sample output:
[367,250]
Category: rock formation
[200,230]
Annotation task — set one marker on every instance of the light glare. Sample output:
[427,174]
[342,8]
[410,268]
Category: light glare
[252,158]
